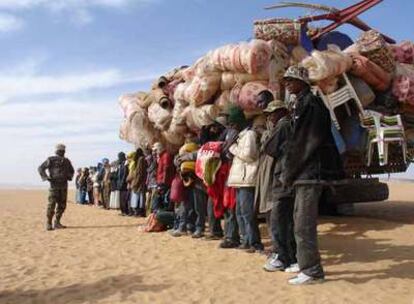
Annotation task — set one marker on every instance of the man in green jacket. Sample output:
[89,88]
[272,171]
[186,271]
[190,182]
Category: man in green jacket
[60,171]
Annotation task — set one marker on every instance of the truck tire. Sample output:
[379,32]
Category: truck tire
[351,192]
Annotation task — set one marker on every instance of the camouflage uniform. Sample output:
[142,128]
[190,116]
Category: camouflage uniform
[60,172]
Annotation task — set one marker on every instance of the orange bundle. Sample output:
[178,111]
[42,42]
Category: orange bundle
[370,72]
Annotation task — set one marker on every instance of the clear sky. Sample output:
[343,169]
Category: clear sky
[63,64]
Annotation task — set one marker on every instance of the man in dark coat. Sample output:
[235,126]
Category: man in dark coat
[121,183]
[283,255]
[60,172]
[311,160]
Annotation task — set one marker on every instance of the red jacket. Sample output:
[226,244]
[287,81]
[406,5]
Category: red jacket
[165,169]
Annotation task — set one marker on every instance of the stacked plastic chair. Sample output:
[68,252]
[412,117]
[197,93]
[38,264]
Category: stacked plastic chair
[384,130]
[342,96]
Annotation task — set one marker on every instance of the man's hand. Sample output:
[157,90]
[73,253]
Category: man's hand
[285,183]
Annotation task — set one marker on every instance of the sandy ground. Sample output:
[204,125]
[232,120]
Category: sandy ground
[102,258]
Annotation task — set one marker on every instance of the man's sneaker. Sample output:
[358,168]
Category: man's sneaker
[271,257]
[213,237]
[293,268]
[197,235]
[228,244]
[59,226]
[49,227]
[303,279]
[171,231]
[243,247]
[273,264]
[178,233]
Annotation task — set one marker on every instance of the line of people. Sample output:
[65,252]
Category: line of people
[232,170]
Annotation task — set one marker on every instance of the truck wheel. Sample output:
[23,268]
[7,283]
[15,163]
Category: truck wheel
[355,191]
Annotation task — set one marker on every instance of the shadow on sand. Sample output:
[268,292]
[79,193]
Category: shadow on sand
[347,241]
[101,226]
[125,285]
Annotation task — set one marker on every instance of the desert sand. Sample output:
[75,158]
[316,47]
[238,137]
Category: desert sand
[102,258]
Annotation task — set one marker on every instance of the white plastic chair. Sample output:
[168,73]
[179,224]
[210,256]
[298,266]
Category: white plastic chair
[341,97]
[382,125]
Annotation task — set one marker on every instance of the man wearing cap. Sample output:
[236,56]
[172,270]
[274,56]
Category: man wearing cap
[275,111]
[60,171]
[311,160]
[283,257]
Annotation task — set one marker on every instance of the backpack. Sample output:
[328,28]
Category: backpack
[153,225]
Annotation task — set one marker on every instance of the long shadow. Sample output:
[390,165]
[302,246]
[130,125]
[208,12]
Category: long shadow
[347,241]
[102,226]
[395,211]
[81,293]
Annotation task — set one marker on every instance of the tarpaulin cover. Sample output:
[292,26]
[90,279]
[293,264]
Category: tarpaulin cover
[337,38]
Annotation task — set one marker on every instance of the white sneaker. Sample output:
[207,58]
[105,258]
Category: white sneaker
[273,264]
[302,279]
[271,257]
[293,268]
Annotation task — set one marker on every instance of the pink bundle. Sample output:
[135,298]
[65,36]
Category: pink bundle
[197,117]
[246,96]
[370,72]
[229,80]
[223,101]
[138,130]
[178,124]
[403,52]
[180,91]
[255,56]
[235,93]
[403,89]
[170,88]
[251,57]
[227,58]
[160,117]
[129,104]
[202,89]
[326,64]
[174,138]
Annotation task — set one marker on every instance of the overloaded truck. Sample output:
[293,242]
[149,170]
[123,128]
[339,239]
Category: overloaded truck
[367,86]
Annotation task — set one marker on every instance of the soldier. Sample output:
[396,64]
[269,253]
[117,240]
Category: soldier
[60,172]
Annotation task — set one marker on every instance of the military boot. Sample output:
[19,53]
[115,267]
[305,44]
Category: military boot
[49,226]
[58,225]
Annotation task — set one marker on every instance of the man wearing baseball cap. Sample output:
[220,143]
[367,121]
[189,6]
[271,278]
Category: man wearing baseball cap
[60,171]
[279,199]
[311,161]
